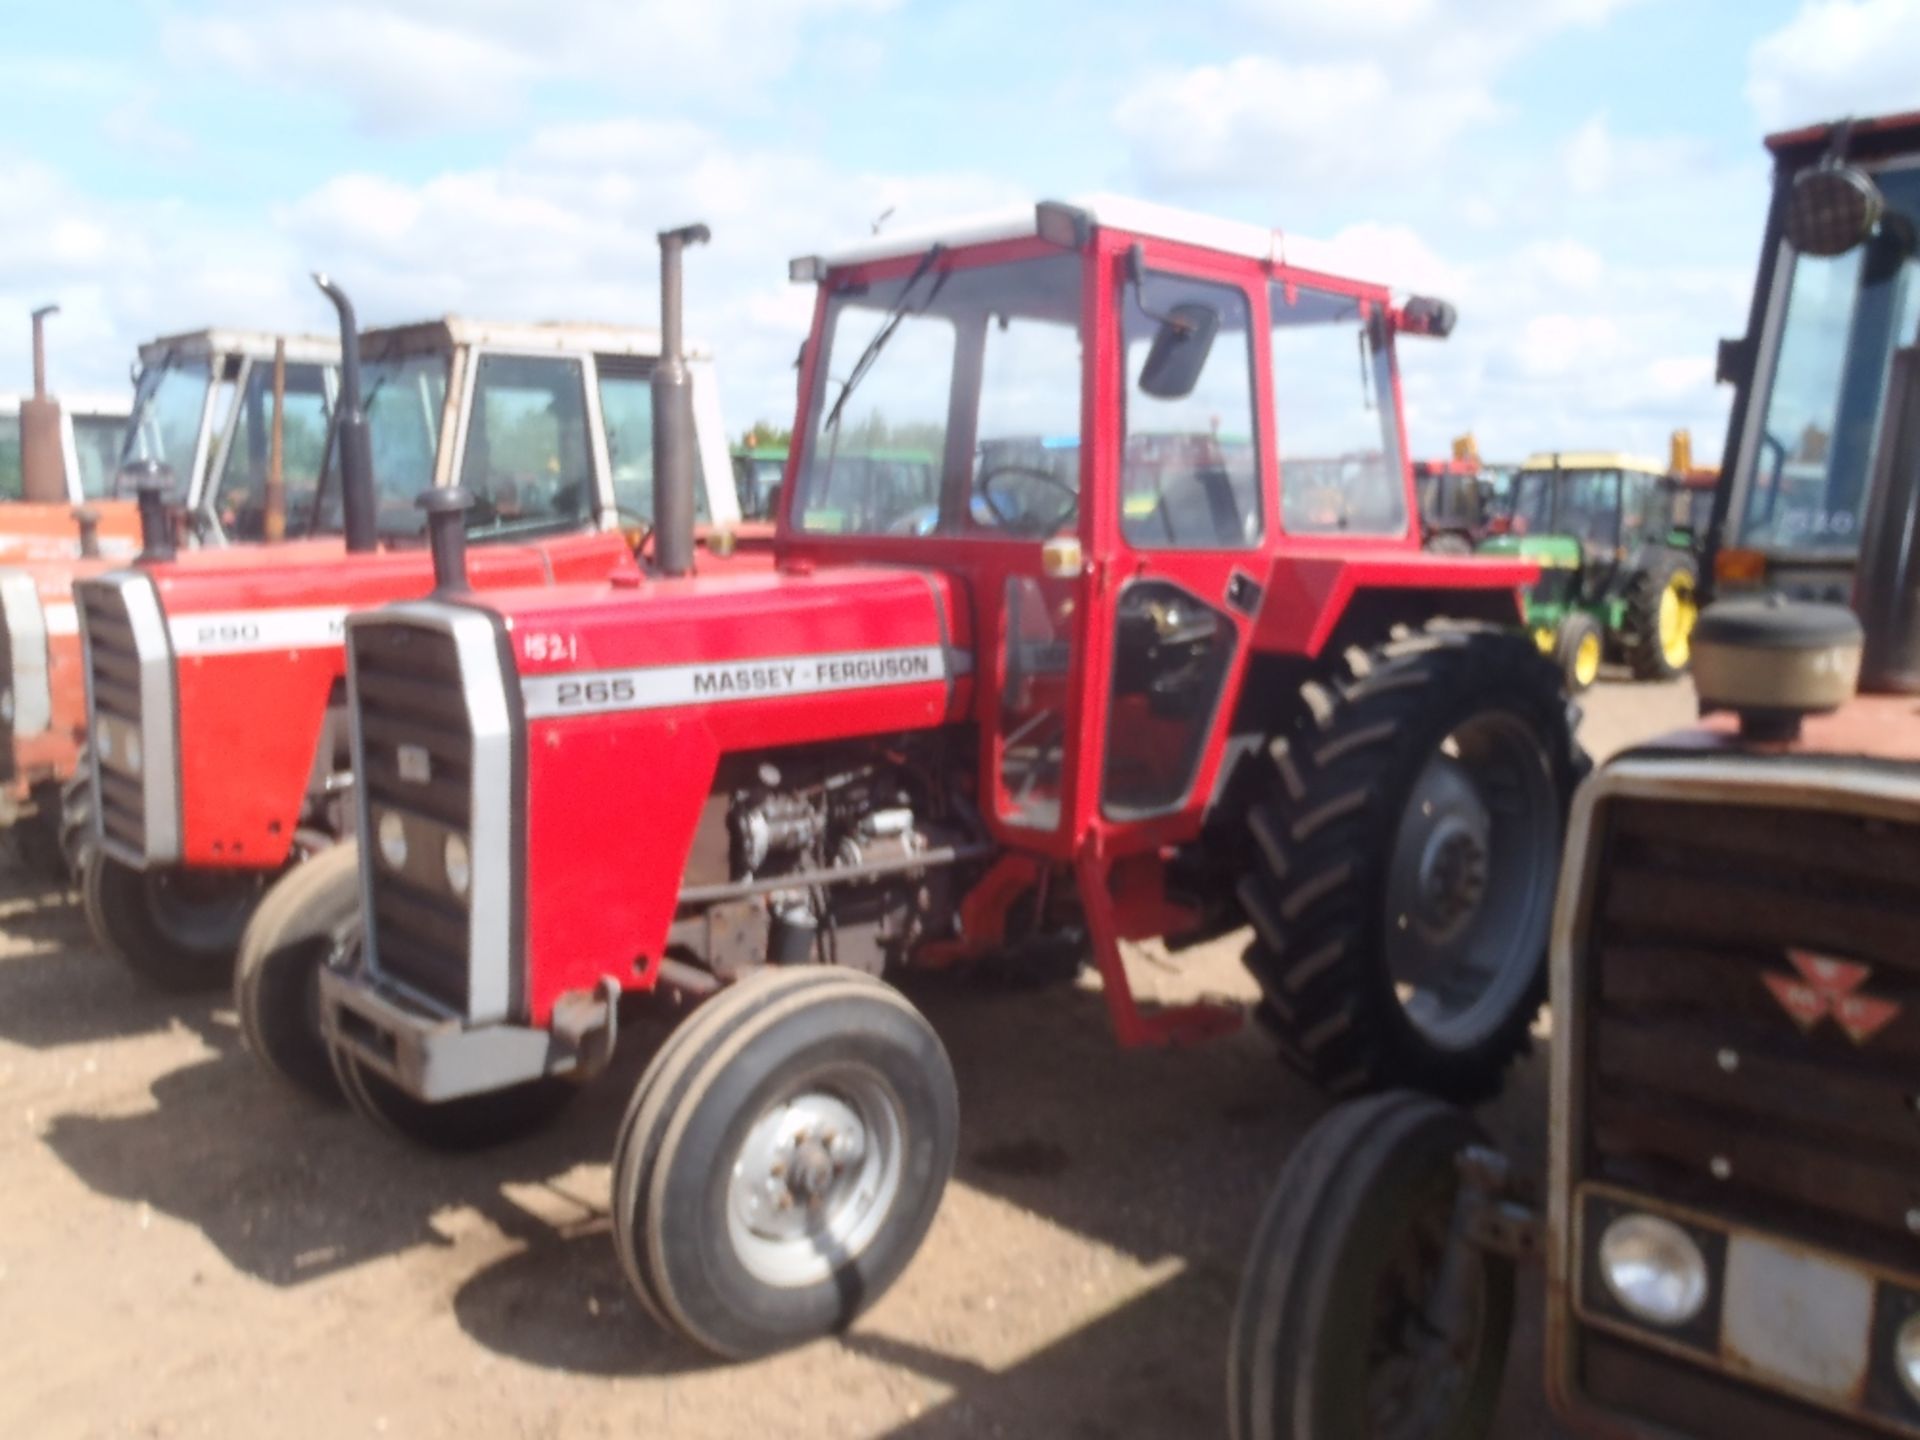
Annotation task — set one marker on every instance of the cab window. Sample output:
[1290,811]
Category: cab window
[527,459]
[626,409]
[1340,465]
[240,490]
[1189,474]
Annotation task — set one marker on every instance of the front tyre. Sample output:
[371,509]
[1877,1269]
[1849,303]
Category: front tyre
[1407,840]
[783,1159]
[1579,647]
[1662,605]
[177,929]
[308,918]
[1340,1327]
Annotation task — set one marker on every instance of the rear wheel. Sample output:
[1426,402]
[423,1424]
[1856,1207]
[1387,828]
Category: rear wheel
[1579,647]
[1342,1327]
[176,929]
[782,1159]
[1661,608]
[1407,841]
[37,836]
[310,917]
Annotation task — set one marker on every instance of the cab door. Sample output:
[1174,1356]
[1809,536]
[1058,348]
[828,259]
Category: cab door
[1178,519]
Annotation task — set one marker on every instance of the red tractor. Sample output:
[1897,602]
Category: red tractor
[1729,1221]
[216,680]
[1040,703]
[220,410]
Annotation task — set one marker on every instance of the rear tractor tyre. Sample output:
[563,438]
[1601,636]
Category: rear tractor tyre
[1662,604]
[309,919]
[471,1122]
[1335,1331]
[176,929]
[1579,647]
[1407,838]
[783,1159]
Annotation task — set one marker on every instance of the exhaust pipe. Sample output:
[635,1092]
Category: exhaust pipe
[153,487]
[674,460]
[447,537]
[88,519]
[353,443]
[43,467]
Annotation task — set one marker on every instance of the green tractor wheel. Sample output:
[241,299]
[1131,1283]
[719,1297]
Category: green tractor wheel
[1661,606]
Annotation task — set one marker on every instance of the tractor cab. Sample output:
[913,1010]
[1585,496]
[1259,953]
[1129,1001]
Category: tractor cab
[1456,501]
[1617,571]
[757,472]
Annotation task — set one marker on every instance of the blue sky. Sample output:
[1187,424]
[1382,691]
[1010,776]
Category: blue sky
[1583,176]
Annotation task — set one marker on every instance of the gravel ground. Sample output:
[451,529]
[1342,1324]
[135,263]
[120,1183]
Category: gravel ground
[187,1250]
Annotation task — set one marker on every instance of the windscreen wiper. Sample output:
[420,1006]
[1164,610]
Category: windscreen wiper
[887,327]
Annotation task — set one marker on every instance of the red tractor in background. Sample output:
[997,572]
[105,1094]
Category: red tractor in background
[230,414]
[1732,1201]
[1019,709]
[216,680]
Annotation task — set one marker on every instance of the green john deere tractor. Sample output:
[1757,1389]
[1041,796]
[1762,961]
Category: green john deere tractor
[1618,570]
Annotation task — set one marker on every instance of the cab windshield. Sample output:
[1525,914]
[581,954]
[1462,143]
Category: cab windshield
[403,397]
[948,403]
[1804,478]
[96,443]
[168,406]
[1583,504]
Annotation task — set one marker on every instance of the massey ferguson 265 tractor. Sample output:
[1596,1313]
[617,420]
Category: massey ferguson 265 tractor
[1015,708]
[1731,1227]
[216,680]
[205,408]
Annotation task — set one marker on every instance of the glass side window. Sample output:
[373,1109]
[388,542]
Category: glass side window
[167,408]
[1589,508]
[1190,474]
[1171,654]
[626,409]
[96,441]
[1340,467]
[404,398]
[756,484]
[1843,317]
[1636,507]
[948,402]
[10,482]
[528,461]
[240,490]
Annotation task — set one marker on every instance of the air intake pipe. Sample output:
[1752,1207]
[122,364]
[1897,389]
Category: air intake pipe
[153,490]
[447,537]
[43,467]
[352,442]
[674,460]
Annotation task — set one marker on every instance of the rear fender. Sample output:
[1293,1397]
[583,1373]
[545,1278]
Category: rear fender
[1314,606]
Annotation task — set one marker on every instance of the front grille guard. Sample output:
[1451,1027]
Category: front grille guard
[492,994]
[156,725]
[1721,780]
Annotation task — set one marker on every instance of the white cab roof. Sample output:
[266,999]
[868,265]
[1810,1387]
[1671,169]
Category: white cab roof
[535,337]
[203,344]
[1119,212]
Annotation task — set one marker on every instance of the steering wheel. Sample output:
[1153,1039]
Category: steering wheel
[1012,519]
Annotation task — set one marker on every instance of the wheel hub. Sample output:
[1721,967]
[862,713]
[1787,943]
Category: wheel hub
[1440,866]
[1453,877]
[810,1184]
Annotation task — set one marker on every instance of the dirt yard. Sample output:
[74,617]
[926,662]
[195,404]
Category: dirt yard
[187,1250]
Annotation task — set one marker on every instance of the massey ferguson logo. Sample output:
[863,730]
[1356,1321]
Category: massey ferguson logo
[1826,986]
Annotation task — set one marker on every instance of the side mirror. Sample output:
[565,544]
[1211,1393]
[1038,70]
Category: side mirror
[1831,209]
[1179,351]
[1733,364]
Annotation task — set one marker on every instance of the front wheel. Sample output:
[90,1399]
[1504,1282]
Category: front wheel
[177,929]
[782,1159]
[1579,647]
[1406,844]
[1661,608]
[1342,1327]
[308,920]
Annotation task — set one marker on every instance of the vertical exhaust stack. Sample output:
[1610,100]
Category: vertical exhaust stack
[447,537]
[352,442]
[674,458]
[153,487]
[1886,588]
[88,519]
[43,468]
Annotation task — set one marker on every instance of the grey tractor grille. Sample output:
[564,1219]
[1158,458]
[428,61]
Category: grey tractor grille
[416,766]
[116,704]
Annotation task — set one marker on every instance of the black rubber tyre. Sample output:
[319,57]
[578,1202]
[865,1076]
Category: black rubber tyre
[472,1122]
[1321,885]
[37,836]
[76,816]
[1578,647]
[1643,641]
[787,1047]
[1449,542]
[175,929]
[309,916]
[1333,1284]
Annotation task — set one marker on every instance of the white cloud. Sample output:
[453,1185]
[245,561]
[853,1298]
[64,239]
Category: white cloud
[414,66]
[1835,58]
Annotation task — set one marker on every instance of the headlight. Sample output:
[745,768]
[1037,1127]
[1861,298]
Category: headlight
[459,864]
[6,705]
[1906,1356]
[1653,1268]
[130,751]
[392,831]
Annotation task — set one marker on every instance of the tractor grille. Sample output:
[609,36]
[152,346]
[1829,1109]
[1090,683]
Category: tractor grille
[1720,1038]
[416,763]
[117,713]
